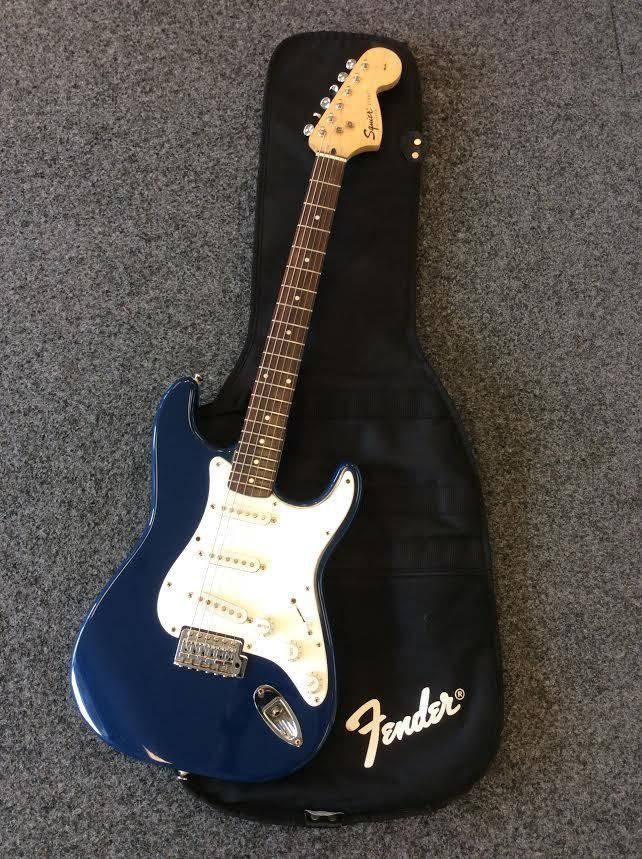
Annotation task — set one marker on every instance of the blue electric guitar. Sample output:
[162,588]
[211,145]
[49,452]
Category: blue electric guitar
[209,650]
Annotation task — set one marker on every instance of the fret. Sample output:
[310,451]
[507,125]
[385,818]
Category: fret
[319,206]
[276,355]
[258,454]
[262,412]
[276,399]
[294,306]
[311,270]
[299,288]
[310,250]
[287,322]
[323,182]
[310,227]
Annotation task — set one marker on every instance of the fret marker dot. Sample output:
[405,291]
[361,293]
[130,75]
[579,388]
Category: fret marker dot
[288,332]
[296,298]
[256,461]
[316,217]
[267,417]
[261,441]
[251,480]
[265,375]
[306,259]
[288,381]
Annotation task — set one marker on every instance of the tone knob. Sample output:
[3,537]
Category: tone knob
[312,683]
[263,626]
[325,103]
[308,129]
[350,64]
[292,651]
[341,77]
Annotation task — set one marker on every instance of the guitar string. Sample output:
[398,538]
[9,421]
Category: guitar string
[200,601]
[249,426]
[272,364]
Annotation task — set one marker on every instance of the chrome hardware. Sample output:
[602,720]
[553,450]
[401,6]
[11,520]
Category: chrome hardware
[182,775]
[341,77]
[339,105]
[339,130]
[210,652]
[364,65]
[316,115]
[325,103]
[348,91]
[350,124]
[322,132]
[356,79]
[330,117]
[198,378]
[350,64]
[334,89]
[308,129]
[278,715]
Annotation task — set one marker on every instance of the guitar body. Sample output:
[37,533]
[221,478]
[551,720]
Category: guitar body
[132,673]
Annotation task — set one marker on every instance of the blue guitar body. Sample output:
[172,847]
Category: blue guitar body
[123,672]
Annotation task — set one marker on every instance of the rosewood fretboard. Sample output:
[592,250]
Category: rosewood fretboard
[256,460]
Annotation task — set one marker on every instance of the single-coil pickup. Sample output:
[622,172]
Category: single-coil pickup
[257,517]
[234,560]
[222,607]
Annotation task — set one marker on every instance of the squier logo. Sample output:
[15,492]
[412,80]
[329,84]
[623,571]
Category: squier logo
[370,130]
[427,715]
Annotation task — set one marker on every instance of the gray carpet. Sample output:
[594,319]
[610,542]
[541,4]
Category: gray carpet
[129,139]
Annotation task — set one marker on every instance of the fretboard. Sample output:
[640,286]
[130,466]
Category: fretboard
[256,459]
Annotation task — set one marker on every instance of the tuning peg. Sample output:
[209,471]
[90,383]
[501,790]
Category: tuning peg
[316,115]
[325,103]
[334,89]
[308,129]
[341,77]
[350,64]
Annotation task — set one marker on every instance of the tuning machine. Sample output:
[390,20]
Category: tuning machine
[309,128]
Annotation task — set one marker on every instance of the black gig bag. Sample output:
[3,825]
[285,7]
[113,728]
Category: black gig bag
[409,588]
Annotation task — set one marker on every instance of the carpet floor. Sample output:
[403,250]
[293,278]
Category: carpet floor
[129,136]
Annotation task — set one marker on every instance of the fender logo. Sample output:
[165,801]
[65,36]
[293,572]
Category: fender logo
[370,130]
[426,715]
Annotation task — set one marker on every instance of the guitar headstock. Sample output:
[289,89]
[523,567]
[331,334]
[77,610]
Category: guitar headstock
[351,122]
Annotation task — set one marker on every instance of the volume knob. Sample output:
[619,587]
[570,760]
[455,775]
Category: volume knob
[312,683]
[292,651]
[263,626]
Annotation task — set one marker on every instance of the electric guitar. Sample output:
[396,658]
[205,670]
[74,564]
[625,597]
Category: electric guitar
[209,649]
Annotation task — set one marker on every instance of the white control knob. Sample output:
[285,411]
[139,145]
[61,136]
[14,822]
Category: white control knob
[263,626]
[312,683]
[292,651]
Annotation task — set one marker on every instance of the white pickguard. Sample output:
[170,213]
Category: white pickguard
[255,560]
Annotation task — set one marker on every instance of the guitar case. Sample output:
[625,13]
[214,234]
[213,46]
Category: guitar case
[409,588]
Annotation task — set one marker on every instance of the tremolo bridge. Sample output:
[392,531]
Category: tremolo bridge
[210,652]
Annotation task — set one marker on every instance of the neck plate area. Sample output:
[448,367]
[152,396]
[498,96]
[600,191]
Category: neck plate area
[257,456]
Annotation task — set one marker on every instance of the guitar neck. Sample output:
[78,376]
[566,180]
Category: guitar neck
[256,459]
